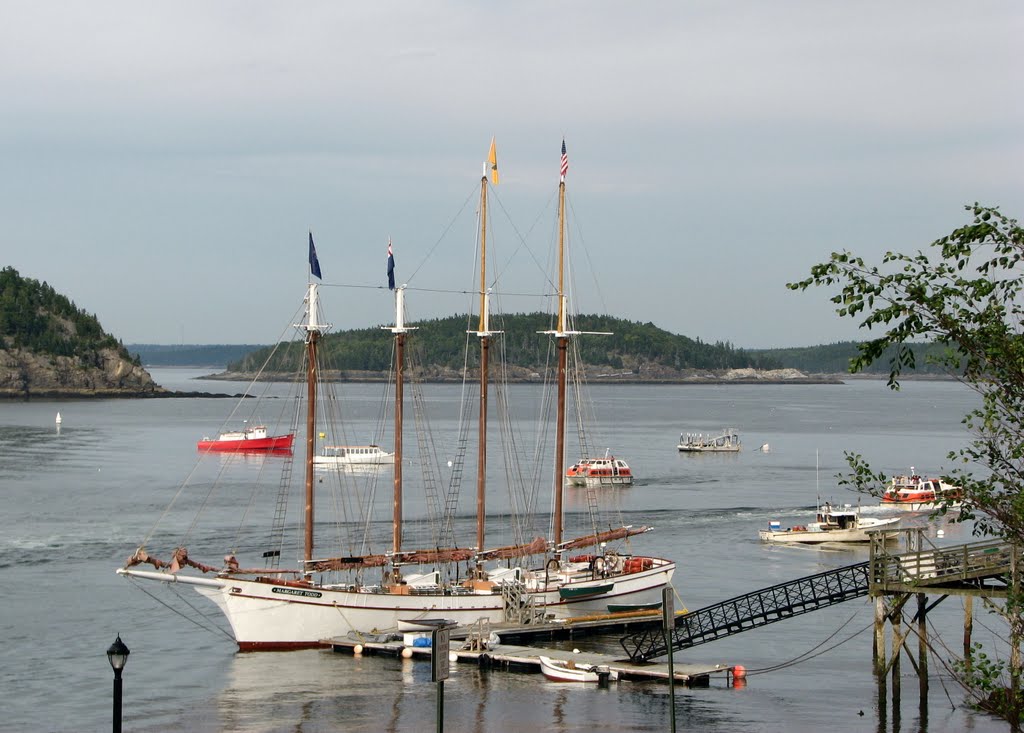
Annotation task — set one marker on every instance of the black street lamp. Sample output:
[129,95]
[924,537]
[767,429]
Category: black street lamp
[117,654]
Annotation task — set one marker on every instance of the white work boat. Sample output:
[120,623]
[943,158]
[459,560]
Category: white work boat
[333,456]
[832,524]
[728,441]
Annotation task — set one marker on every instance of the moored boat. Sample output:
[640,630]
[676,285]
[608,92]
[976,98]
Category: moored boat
[728,441]
[607,471]
[917,493]
[255,438]
[832,524]
[351,455]
[366,584]
[560,670]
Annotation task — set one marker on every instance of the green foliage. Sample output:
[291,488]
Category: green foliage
[988,679]
[441,342]
[202,355]
[35,317]
[966,296]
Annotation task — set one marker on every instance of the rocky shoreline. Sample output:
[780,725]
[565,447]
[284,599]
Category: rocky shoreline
[438,375]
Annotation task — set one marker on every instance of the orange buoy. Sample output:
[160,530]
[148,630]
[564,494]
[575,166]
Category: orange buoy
[739,672]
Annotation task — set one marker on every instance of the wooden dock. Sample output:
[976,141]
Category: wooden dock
[521,658]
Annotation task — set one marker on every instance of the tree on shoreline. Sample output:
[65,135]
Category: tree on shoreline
[967,294]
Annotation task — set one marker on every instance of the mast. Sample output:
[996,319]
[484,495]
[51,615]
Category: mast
[399,330]
[484,333]
[562,340]
[562,335]
[313,332]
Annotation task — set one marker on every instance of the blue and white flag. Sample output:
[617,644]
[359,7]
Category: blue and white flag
[314,263]
[391,268]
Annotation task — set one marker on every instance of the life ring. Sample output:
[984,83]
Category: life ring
[553,565]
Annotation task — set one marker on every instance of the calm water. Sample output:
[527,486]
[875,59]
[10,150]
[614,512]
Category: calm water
[79,501]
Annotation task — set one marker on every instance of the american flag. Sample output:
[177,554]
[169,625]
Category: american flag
[565,161]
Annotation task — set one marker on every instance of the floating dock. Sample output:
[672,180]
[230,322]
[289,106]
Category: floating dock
[520,658]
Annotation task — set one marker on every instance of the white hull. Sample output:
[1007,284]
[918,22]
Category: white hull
[334,462]
[708,449]
[265,615]
[561,671]
[596,481]
[353,455]
[817,537]
[728,441]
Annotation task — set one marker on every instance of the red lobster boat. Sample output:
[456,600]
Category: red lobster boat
[250,439]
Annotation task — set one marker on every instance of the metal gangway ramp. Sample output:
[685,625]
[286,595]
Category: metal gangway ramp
[749,611]
[981,568]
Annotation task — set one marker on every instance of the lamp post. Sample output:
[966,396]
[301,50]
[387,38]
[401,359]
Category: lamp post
[117,655]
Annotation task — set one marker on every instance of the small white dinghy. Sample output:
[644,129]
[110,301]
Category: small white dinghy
[561,670]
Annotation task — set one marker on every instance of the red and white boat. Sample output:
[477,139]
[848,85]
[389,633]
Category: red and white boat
[255,438]
[607,471]
[918,493]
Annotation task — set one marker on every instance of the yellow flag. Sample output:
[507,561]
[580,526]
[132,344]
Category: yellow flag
[492,159]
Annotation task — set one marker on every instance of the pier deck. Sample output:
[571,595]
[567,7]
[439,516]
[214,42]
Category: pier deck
[526,659]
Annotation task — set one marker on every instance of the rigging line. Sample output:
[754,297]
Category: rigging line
[586,254]
[444,233]
[522,240]
[212,627]
[805,656]
[942,661]
[177,495]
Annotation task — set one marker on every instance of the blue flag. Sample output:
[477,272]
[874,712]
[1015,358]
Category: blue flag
[391,268]
[314,263]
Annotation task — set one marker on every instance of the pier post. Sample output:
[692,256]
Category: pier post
[897,648]
[968,629]
[1013,602]
[878,653]
[668,619]
[922,653]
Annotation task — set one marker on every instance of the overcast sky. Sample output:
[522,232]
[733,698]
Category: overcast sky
[161,163]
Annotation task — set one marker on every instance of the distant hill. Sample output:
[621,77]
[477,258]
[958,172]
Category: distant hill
[190,355]
[50,347]
[635,348]
[835,358]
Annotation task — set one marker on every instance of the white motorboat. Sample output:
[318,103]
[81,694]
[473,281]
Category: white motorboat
[352,455]
[832,524]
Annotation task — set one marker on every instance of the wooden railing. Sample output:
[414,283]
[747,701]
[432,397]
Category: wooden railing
[931,565]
